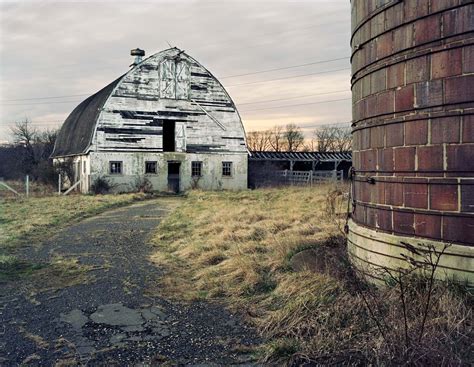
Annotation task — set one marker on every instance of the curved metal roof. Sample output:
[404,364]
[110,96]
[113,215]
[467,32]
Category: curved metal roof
[75,135]
[77,131]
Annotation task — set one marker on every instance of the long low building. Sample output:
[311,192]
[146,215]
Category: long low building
[269,168]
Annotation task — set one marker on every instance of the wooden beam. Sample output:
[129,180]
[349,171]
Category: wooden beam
[9,188]
[72,187]
[209,115]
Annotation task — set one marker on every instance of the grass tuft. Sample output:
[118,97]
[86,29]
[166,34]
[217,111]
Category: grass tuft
[29,221]
[239,247]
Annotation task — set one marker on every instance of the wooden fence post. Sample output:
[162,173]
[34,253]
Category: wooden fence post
[27,185]
[59,184]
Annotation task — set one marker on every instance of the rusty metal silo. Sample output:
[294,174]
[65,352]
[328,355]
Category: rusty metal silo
[413,131]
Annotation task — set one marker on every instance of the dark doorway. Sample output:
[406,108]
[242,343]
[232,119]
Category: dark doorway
[168,136]
[173,176]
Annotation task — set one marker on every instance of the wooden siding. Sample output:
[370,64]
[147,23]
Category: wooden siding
[132,118]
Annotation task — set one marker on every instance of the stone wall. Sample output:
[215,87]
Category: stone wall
[133,168]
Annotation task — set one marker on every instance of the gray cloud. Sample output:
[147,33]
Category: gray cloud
[67,48]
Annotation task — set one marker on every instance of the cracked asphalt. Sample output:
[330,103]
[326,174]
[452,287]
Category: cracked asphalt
[109,316]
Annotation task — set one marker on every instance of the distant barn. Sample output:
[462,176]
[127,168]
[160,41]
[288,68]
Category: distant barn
[167,119]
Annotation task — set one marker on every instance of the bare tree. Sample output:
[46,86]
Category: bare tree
[343,141]
[33,149]
[276,139]
[333,138]
[310,146]
[293,137]
[23,133]
[259,141]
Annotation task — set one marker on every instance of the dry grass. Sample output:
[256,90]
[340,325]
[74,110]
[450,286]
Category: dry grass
[25,219]
[237,247]
[243,238]
[31,220]
[36,189]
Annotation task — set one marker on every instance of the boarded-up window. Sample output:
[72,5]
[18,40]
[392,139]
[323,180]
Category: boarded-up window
[174,79]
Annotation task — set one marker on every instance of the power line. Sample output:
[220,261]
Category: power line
[33,103]
[295,105]
[286,67]
[32,98]
[273,33]
[239,104]
[255,109]
[297,97]
[230,76]
[288,77]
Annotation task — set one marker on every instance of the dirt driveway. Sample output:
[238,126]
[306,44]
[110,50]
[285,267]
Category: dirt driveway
[95,306]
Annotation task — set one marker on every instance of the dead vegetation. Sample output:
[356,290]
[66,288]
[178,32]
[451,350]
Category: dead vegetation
[26,218]
[30,220]
[238,247]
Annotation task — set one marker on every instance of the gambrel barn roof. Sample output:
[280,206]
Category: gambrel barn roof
[76,133]
[129,113]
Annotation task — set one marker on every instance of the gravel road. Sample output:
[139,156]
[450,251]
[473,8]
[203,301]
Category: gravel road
[103,312]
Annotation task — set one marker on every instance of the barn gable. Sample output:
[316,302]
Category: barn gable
[168,102]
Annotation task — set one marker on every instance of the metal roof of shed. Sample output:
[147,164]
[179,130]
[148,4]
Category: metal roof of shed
[301,156]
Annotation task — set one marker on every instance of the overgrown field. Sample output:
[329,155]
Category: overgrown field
[240,247]
[25,221]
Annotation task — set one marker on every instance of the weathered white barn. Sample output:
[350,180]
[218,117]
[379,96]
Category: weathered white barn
[168,119]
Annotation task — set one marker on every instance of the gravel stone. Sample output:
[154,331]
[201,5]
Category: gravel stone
[112,319]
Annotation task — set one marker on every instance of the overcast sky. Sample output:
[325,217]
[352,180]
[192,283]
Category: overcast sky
[57,49]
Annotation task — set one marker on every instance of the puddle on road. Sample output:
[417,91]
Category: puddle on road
[114,325]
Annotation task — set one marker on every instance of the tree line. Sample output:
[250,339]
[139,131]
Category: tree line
[291,139]
[29,154]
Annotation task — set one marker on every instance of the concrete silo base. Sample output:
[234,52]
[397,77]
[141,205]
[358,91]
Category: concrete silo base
[370,251]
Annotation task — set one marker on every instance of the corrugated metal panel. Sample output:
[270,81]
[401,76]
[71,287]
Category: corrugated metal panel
[302,156]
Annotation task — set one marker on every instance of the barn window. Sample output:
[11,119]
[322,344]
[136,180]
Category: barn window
[116,168]
[174,79]
[226,168]
[150,167]
[196,169]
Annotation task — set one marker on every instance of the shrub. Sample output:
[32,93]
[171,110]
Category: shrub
[142,184]
[101,186]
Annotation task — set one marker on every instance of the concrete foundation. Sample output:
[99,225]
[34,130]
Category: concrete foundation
[371,251]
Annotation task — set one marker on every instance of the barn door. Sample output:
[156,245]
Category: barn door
[182,80]
[180,137]
[167,79]
[173,176]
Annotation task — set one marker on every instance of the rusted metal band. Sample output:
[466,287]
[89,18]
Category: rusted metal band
[408,54]
[392,208]
[460,104]
[413,179]
[372,15]
[398,120]
[361,45]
